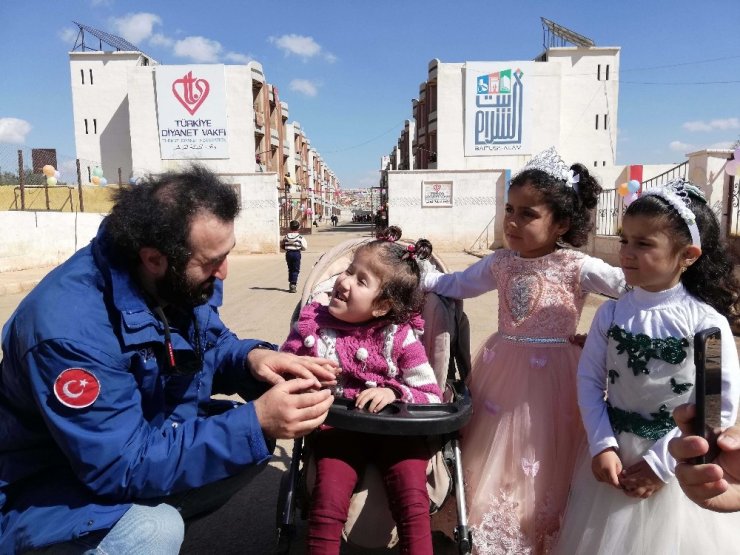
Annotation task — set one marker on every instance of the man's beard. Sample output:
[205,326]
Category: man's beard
[177,289]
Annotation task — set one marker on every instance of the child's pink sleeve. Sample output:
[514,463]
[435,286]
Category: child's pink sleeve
[418,381]
[293,343]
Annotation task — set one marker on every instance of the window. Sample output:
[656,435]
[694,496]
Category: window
[86,129]
[603,163]
[95,126]
[91,79]
[607,72]
[597,121]
[605,125]
[598,72]
[596,164]
[82,74]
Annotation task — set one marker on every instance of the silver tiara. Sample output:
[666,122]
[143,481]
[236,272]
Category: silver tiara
[677,194]
[550,162]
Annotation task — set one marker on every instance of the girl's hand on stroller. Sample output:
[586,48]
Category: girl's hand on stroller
[606,467]
[376,398]
[640,481]
[292,409]
[274,367]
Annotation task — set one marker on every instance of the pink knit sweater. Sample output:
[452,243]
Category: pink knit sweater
[377,354]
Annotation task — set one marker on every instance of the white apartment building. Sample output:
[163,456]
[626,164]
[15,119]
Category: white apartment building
[134,116]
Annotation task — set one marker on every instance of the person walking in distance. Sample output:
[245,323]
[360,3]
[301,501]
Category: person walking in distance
[293,243]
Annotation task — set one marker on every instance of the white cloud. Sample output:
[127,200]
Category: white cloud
[301,45]
[135,27]
[198,49]
[158,39]
[69,36]
[238,58]
[304,86]
[14,130]
[678,146]
[722,124]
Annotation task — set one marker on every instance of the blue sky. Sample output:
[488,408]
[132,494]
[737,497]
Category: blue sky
[349,69]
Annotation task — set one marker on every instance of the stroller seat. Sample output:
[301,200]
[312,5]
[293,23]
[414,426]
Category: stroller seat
[446,342]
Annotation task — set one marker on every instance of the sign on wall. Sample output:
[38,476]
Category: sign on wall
[498,108]
[191,112]
[436,193]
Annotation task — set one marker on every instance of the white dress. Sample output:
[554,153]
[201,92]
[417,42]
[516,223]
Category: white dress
[640,350]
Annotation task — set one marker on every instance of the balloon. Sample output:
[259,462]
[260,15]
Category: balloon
[103,182]
[95,180]
[51,181]
[623,189]
[48,170]
[633,186]
[97,171]
[630,198]
[731,167]
[56,174]
[309,211]
[737,153]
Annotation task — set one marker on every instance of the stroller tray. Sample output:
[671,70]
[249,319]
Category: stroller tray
[402,419]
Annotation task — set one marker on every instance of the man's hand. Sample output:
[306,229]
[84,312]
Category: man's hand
[713,486]
[639,480]
[606,467]
[274,367]
[292,409]
[579,339]
[376,398]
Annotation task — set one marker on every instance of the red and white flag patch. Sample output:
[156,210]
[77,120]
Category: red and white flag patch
[76,388]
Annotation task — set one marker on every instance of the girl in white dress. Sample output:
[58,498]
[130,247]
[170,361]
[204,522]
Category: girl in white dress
[637,366]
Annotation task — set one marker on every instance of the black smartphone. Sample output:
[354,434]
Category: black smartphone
[708,388]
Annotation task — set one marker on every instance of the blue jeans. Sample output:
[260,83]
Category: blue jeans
[157,528]
[293,258]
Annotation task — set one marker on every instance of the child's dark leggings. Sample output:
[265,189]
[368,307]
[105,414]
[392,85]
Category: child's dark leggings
[341,456]
[293,258]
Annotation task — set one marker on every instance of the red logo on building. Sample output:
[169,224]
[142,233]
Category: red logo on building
[76,388]
[191,92]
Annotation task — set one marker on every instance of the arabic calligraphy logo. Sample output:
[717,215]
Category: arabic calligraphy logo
[76,388]
[498,120]
[190,91]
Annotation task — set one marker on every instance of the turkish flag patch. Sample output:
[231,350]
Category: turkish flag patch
[76,388]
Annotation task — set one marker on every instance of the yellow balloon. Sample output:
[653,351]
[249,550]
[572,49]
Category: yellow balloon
[48,170]
[623,189]
[95,179]
[51,181]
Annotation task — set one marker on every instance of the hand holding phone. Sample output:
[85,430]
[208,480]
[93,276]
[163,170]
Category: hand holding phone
[708,388]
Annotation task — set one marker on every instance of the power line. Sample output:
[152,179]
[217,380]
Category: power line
[681,64]
[365,142]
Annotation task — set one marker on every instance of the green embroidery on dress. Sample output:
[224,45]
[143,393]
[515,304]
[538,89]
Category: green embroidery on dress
[635,423]
[679,388]
[641,348]
[613,375]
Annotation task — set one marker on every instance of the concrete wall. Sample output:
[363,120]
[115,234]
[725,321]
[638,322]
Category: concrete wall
[36,239]
[471,219]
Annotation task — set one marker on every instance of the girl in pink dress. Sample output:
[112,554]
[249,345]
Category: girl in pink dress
[520,447]
[371,328]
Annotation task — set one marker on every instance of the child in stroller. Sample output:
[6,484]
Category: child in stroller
[371,328]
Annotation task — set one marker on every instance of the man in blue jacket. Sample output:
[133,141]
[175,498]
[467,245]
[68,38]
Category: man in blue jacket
[108,434]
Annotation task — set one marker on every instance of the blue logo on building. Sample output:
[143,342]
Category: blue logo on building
[498,119]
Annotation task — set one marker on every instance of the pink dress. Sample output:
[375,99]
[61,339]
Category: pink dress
[520,447]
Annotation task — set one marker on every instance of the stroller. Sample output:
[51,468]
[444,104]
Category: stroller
[446,341]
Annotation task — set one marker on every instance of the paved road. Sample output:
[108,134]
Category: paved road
[257,304]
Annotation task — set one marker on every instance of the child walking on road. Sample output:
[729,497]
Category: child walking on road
[293,243]
[371,328]
[521,444]
[625,497]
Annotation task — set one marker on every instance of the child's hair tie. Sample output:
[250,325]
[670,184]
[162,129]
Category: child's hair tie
[411,250]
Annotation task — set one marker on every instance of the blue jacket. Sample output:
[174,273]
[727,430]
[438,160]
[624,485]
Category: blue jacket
[67,471]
